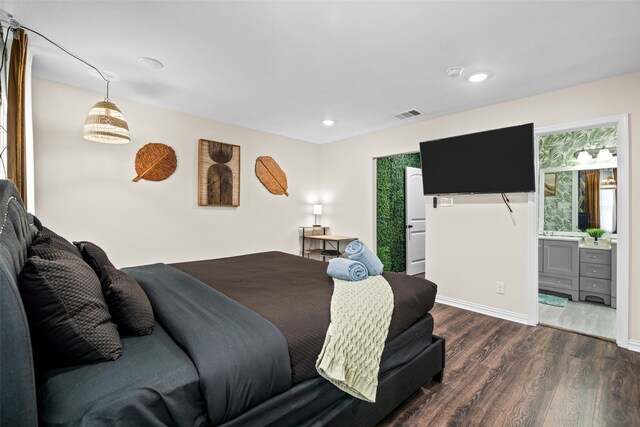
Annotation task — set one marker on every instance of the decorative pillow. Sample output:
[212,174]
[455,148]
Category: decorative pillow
[94,256]
[128,304]
[47,243]
[66,310]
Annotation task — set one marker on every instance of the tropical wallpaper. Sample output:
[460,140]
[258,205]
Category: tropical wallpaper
[558,207]
[559,150]
[390,225]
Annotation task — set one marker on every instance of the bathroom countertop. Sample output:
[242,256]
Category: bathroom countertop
[599,248]
[565,238]
[579,240]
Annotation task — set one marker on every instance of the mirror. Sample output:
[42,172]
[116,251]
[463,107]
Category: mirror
[576,199]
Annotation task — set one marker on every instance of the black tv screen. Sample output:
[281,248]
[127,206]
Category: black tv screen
[494,161]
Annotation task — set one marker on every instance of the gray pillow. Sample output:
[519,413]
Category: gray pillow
[47,243]
[128,304]
[94,256]
[67,313]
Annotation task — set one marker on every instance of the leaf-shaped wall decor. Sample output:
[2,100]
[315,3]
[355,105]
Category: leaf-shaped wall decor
[271,175]
[155,162]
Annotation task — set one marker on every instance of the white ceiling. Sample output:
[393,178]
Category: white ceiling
[283,67]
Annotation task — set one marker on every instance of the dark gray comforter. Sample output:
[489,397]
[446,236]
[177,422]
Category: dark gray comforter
[153,383]
[242,359]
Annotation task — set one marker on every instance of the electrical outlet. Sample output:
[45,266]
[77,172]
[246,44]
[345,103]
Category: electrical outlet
[446,202]
[499,287]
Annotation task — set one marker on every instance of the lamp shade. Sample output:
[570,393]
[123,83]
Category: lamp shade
[584,156]
[105,123]
[604,154]
[317,209]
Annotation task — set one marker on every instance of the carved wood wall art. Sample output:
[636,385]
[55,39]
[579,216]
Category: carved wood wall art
[218,174]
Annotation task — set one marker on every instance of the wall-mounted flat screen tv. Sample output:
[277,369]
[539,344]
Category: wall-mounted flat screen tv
[493,161]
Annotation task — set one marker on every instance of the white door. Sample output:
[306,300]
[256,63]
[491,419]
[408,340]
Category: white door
[415,208]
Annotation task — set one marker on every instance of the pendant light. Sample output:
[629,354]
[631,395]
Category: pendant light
[105,122]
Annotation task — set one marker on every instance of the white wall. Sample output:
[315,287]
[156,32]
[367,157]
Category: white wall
[84,189]
[476,243]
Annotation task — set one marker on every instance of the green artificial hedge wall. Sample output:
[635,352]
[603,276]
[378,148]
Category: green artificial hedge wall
[391,235]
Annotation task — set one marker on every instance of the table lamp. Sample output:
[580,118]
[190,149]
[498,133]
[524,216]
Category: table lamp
[317,211]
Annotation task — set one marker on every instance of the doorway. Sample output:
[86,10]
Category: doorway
[391,231]
[583,181]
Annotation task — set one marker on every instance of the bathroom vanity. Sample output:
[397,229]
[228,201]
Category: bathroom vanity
[583,272]
[559,265]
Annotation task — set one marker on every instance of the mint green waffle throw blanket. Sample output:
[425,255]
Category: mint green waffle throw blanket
[360,316]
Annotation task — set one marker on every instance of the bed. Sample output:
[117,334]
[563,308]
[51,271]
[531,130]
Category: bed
[235,343]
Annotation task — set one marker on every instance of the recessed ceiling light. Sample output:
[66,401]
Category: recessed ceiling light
[478,77]
[328,122]
[151,63]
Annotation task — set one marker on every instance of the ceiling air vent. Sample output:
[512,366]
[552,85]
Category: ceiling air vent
[408,114]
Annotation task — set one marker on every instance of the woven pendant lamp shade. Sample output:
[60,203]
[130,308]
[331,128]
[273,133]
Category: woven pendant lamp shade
[105,123]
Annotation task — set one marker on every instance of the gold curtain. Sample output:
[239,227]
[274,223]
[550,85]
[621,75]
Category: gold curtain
[592,197]
[16,138]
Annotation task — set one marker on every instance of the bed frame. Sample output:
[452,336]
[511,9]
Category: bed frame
[18,404]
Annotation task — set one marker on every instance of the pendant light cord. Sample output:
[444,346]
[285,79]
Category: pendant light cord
[68,52]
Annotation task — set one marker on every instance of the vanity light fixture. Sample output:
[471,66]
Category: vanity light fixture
[604,154]
[584,156]
[328,122]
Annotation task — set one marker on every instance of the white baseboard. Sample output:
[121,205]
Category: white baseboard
[483,309]
[634,345]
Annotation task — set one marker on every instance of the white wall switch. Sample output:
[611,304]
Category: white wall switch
[499,287]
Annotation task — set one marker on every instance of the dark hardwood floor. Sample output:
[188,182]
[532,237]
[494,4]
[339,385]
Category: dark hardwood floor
[500,373]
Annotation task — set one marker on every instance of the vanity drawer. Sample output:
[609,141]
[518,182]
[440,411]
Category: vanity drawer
[595,256]
[606,299]
[595,270]
[600,286]
[568,283]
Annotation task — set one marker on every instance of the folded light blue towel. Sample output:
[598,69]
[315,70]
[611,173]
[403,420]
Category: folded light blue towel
[346,269]
[358,251]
